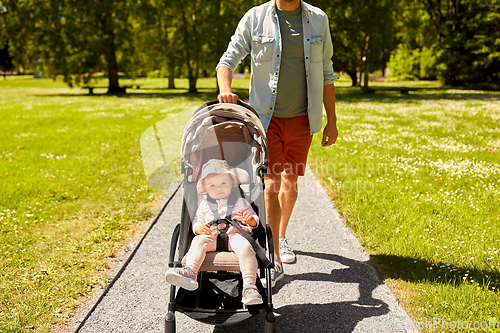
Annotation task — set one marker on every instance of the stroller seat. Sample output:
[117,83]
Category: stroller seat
[219,261]
[244,178]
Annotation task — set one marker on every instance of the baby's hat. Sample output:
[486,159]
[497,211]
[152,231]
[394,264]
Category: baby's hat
[218,167]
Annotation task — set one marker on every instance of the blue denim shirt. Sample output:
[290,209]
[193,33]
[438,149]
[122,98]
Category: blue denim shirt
[258,34]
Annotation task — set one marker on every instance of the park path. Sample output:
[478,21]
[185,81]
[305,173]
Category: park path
[333,286]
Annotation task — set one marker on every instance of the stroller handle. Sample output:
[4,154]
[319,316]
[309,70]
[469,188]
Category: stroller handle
[240,103]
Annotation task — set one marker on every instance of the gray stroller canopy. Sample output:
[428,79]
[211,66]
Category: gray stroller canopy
[223,131]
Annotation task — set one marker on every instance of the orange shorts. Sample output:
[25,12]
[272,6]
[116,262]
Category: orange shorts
[288,141]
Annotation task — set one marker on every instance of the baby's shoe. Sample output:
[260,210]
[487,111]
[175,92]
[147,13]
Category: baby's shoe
[251,295]
[182,277]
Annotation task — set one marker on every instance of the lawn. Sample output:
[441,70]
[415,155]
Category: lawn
[417,177]
[73,189]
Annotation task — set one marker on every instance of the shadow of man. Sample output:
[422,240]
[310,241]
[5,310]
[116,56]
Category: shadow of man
[330,317]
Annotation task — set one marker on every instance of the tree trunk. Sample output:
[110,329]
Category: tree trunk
[192,83]
[171,71]
[114,87]
[365,80]
[192,76]
[354,76]
[168,42]
[365,64]
[218,45]
[171,76]
[110,55]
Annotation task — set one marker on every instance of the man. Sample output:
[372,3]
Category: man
[291,76]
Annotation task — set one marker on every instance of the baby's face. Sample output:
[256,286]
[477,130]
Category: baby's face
[218,185]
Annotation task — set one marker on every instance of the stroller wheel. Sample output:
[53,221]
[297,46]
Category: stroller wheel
[270,323]
[170,323]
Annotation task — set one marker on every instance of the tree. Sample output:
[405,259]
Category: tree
[72,38]
[6,63]
[190,20]
[468,36]
[363,34]
[204,29]
[157,38]
[415,54]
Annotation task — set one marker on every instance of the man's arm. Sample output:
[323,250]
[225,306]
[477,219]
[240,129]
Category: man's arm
[330,132]
[224,78]
[237,50]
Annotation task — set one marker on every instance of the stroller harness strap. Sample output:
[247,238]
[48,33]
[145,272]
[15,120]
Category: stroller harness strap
[223,226]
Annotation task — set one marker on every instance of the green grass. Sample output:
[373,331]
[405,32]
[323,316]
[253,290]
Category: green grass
[73,189]
[417,177]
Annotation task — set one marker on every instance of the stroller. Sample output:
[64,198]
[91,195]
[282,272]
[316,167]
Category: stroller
[231,132]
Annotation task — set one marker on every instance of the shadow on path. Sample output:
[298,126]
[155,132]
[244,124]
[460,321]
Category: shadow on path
[416,270]
[330,317]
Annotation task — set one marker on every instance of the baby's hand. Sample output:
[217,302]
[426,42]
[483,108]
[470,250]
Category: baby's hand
[203,229]
[249,220]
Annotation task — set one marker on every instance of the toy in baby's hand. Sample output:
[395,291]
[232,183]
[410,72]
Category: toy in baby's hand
[203,229]
[248,219]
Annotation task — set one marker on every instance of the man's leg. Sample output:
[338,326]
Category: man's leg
[297,140]
[273,209]
[287,197]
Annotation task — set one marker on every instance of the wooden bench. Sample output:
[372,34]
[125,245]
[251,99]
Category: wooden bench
[403,90]
[91,89]
[135,86]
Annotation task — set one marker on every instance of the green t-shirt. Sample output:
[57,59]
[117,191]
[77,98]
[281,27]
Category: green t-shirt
[291,98]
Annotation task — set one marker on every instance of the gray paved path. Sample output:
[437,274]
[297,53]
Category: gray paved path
[331,288]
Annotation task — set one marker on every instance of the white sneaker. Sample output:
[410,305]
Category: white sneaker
[182,277]
[251,295]
[277,273]
[286,253]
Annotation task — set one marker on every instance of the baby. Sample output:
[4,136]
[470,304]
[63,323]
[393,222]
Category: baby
[217,180]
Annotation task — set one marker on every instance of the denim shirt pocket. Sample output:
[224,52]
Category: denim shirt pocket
[317,49]
[262,48]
